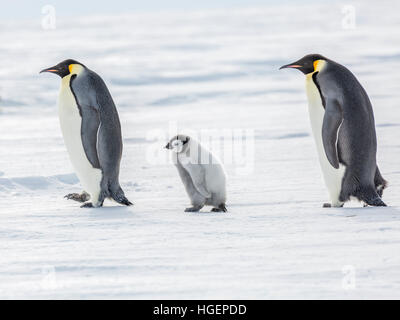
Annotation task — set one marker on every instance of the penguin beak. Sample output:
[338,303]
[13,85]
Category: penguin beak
[290,65]
[51,69]
[168,146]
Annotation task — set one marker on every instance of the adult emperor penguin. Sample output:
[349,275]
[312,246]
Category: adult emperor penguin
[201,172]
[343,125]
[92,133]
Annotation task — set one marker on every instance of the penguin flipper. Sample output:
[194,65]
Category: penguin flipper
[90,114]
[89,129]
[196,172]
[195,196]
[330,131]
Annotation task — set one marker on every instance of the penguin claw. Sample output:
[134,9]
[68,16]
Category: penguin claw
[326,205]
[78,197]
[87,205]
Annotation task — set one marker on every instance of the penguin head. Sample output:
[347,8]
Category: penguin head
[178,143]
[307,64]
[65,68]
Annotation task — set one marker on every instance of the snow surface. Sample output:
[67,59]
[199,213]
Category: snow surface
[215,69]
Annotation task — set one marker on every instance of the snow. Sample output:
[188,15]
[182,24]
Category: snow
[198,70]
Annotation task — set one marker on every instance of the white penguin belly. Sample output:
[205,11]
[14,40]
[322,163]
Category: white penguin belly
[71,122]
[333,177]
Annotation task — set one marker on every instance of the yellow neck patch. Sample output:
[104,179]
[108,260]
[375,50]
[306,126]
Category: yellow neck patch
[75,68]
[318,64]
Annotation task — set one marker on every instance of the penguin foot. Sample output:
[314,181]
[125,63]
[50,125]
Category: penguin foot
[193,209]
[221,208]
[87,205]
[329,205]
[78,197]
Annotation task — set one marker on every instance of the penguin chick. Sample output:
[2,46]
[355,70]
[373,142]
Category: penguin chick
[201,172]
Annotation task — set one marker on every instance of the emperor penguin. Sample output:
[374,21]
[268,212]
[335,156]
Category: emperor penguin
[343,126]
[201,172]
[92,133]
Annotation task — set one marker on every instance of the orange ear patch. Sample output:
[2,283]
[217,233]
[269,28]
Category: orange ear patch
[318,64]
[70,67]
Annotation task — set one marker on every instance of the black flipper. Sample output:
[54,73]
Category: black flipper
[332,120]
[89,129]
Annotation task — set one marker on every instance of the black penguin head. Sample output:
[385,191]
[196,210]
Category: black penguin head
[306,64]
[64,68]
[178,143]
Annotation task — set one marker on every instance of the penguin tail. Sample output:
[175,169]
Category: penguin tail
[371,197]
[377,202]
[124,201]
[119,197]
